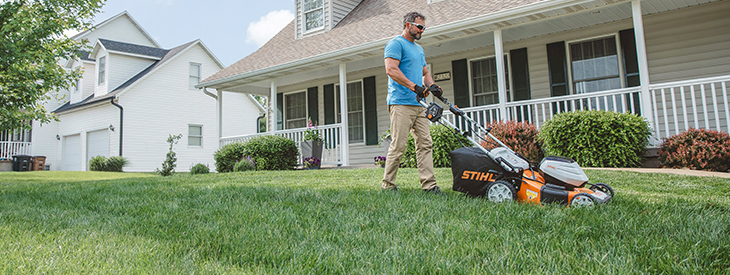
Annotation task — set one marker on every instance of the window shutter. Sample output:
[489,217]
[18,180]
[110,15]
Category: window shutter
[371,111]
[279,111]
[557,69]
[313,103]
[631,60]
[329,104]
[520,74]
[461,82]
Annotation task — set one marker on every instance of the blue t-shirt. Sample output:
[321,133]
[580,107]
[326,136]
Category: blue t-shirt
[412,60]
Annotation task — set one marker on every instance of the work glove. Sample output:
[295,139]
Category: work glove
[421,91]
[436,90]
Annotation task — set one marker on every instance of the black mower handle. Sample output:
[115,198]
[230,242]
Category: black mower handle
[455,110]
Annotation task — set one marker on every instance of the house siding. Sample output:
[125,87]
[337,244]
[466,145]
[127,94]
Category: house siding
[125,67]
[340,9]
[121,29]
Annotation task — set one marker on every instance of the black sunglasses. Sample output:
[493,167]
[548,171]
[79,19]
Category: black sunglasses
[419,26]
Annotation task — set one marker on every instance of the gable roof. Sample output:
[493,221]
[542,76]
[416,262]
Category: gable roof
[129,48]
[81,35]
[371,21]
[90,100]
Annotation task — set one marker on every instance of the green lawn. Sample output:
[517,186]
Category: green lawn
[338,221]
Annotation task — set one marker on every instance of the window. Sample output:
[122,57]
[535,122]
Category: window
[77,84]
[313,14]
[484,86]
[355,111]
[195,135]
[102,70]
[594,65]
[295,110]
[194,77]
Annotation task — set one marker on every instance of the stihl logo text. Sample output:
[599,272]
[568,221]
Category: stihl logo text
[480,176]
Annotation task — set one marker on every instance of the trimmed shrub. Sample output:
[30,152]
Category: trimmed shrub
[199,169]
[520,136]
[444,141]
[112,164]
[168,166]
[597,138]
[697,149]
[246,164]
[271,152]
[227,156]
[268,153]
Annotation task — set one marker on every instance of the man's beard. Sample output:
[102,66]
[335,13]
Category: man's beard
[415,35]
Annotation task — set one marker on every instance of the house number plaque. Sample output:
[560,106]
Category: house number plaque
[442,76]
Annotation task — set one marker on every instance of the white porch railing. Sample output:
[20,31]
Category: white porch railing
[676,106]
[331,153]
[699,103]
[537,111]
[8,149]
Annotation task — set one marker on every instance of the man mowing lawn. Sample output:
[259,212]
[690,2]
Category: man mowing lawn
[405,65]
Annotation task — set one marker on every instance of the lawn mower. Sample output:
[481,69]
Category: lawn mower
[503,175]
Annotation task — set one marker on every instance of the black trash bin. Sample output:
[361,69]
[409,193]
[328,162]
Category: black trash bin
[22,163]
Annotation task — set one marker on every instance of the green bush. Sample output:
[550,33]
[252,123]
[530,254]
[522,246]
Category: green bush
[520,136]
[444,141]
[199,169]
[597,138]
[227,156]
[246,164]
[271,152]
[697,149]
[268,153]
[112,164]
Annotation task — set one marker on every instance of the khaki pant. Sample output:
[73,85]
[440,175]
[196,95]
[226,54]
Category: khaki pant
[404,119]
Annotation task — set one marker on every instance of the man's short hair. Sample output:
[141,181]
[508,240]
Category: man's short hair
[411,17]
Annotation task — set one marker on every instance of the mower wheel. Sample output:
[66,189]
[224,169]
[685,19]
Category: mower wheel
[605,188]
[501,191]
[582,200]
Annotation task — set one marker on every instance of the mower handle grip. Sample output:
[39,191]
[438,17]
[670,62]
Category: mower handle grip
[455,110]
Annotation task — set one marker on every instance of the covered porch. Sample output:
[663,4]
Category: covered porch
[670,97]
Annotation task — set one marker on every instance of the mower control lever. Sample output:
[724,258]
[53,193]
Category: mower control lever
[455,110]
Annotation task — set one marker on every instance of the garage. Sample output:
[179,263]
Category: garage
[97,144]
[71,153]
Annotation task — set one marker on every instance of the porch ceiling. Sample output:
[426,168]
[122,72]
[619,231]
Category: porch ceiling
[535,20]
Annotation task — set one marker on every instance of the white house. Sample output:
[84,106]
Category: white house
[132,96]
[667,60]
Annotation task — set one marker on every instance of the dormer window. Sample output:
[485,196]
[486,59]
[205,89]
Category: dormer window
[102,70]
[313,14]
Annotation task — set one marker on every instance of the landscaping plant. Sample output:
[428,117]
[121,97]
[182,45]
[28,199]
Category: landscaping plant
[597,138]
[520,136]
[227,156]
[199,169]
[268,153]
[111,164]
[245,164]
[168,166]
[698,149]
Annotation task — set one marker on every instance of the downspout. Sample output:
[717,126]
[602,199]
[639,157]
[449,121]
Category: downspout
[121,124]
[258,123]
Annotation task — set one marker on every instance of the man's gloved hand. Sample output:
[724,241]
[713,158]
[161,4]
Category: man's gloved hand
[436,90]
[421,91]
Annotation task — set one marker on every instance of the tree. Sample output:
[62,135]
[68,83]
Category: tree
[33,43]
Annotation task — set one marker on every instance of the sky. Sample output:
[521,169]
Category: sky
[231,29]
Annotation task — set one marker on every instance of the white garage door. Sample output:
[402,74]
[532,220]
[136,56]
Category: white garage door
[97,144]
[71,153]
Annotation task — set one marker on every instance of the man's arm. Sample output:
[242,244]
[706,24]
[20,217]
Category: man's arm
[392,70]
[427,78]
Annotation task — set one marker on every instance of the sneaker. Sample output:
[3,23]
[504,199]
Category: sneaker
[435,190]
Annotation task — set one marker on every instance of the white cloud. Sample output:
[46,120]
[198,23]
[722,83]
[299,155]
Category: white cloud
[267,26]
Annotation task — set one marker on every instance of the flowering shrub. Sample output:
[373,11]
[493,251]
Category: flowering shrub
[697,149]
[245,164]
[379,160]
[312,133]
[199,169]
[312,162]
[520,136]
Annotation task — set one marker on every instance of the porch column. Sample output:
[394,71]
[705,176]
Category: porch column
[646,102]
[344,134]
[272,107]
[219,112]
[501,85]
